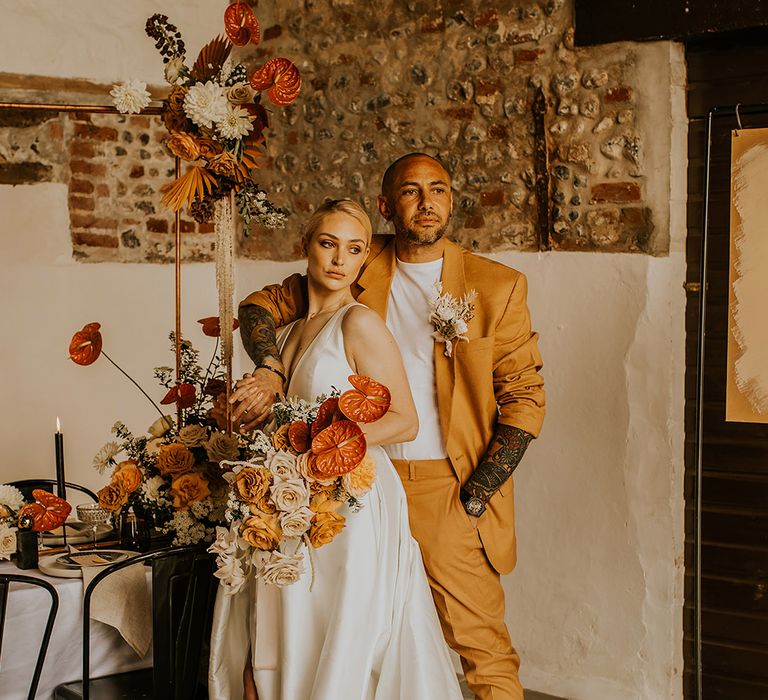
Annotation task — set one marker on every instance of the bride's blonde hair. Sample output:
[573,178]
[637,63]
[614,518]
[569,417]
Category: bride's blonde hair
[343,206]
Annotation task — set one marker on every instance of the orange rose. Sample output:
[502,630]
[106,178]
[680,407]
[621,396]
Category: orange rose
[209,148]
[262,531]
[325,526]
[173,110]
[184,146]
[324,502]
[360,480]
[223,164]
[218,414]
[174,459]
[112,497]
[128,475]
[187,489]
[252,484]
[265,505]
[280,439]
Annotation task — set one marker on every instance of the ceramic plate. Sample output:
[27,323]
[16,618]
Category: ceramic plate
[77,533]
[67,565]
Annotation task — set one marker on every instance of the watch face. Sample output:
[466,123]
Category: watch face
[475,506]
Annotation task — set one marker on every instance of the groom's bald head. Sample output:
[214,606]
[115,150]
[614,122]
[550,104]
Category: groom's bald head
[390,174]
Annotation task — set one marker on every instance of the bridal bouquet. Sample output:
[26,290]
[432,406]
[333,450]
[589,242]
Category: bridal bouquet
[173,472]
[287,496]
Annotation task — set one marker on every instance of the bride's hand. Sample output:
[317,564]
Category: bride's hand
[253,398]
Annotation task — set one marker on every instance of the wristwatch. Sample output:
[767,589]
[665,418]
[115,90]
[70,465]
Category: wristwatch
[472,504]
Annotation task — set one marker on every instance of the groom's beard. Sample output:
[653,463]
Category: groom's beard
[411,234]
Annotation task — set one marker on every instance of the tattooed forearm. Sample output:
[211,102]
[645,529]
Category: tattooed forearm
[504,454]
[257,330]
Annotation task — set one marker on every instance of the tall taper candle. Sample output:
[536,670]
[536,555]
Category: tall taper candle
[59,442]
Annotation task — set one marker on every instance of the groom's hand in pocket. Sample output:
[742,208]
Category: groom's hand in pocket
[253,398]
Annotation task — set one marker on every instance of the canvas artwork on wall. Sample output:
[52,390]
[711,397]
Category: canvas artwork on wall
[747,385]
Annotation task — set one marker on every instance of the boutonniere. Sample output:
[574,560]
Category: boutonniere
[449,316]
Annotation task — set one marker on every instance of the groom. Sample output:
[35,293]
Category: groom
[479,405]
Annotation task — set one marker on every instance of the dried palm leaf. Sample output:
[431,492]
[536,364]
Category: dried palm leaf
[211,58]
[194,184]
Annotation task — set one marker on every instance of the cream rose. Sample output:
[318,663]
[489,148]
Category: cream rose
[283,570]
[261,531]
[295,524]
[282,464]
[160,427]
[7,541]
[360,480]
[289,494]
[193,435]
[221,446]
[239,93]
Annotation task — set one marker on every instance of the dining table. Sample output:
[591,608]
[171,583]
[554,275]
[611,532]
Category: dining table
[27,612]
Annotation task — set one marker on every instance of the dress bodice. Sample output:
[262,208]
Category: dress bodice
[324,363]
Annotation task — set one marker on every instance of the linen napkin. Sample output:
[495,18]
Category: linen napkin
[121,600]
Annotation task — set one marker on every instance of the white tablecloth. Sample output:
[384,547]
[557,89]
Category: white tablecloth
[27,612]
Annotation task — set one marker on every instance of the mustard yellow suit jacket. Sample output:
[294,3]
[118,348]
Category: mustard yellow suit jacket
[491,378]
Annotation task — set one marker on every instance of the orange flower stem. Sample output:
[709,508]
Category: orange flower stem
[124,373]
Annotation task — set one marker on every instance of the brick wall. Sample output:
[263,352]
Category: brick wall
[454,78]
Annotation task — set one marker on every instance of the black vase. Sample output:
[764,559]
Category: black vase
[26,549]
[134,529]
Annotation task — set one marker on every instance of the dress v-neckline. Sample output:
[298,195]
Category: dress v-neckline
[297,361]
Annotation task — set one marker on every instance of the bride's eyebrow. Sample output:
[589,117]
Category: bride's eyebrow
[336,238]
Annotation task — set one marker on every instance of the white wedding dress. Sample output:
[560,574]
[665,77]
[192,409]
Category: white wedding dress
[368,629]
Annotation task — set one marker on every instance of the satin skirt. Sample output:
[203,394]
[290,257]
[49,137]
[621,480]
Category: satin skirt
[367,630]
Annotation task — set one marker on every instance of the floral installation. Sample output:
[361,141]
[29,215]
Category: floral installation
[304,469]
[215,116]
[172,472]
[449,316]
[11,502]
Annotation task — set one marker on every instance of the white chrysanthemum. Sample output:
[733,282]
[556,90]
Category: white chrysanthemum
[105,457]
[130,97]
[11,497]
[152,488]
[7,541]
[235,124]
[206,104]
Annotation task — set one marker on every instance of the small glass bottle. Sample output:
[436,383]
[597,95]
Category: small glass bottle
[134,529]
[26,544]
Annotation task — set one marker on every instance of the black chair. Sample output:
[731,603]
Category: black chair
[5,581]
[183,593]
[26,486]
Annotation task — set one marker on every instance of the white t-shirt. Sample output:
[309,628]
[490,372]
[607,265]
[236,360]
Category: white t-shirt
[408,320]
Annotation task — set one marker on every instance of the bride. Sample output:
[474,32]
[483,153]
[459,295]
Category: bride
[368,629]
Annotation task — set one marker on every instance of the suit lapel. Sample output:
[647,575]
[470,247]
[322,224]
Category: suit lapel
[376,279]
[452,279]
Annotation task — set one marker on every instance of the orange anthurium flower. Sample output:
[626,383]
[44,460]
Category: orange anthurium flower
[367,402]
[298,435]
[280,78]
[48,511]
[325,415]
[212,324]
[241,25]
[339,448]
[85,346]
[183,395]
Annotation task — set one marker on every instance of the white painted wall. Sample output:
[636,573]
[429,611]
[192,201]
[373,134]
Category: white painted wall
[595,603]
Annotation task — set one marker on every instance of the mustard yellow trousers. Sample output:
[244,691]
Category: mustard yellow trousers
[467,590]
